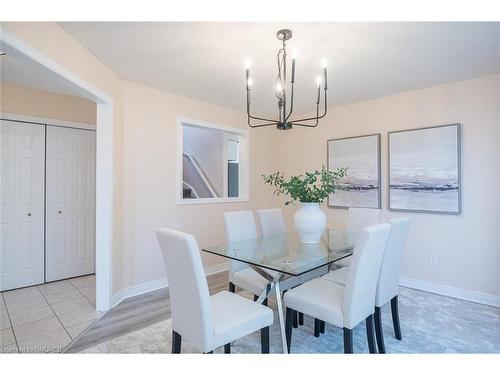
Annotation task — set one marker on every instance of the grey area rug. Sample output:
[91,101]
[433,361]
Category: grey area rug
[430,324]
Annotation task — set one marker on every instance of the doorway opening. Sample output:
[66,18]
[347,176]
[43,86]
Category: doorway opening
[16,48]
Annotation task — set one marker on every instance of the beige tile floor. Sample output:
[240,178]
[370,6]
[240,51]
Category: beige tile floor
[45,318]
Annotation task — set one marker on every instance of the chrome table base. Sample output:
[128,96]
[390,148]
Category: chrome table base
[274,284]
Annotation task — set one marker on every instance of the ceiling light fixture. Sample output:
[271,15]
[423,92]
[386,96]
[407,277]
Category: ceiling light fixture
[283,122]
[2,53]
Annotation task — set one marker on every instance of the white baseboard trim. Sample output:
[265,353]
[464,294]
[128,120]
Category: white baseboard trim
[212,270]
[150,286]
[427,286]
[138,289]
[450,291]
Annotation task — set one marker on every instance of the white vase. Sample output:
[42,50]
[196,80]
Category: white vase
[310,222]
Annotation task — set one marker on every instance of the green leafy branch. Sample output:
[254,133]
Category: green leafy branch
[313,187]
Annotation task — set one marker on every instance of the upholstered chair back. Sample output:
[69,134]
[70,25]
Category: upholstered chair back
[240,226]
[388,282]
[188,288]
[360,218]
[271,221]
[361,282]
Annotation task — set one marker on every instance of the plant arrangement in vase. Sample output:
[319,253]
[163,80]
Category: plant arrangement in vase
[310,189]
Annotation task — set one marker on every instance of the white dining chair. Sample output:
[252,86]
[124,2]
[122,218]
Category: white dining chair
[240,226]
[388,281]
[271,221]
[344,306]
[207,322]
[358,219]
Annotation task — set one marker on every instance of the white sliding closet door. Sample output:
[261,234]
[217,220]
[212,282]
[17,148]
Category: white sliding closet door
[70,203]
[22,154]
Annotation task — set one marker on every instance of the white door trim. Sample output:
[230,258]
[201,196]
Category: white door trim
[46,121]
[104,162]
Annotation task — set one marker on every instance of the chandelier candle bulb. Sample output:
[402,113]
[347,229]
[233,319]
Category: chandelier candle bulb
[325,79]
[318,82]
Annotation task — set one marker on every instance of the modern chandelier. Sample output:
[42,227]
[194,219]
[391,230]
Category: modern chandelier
[285,108]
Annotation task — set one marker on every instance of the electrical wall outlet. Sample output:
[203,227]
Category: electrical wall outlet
[434,260]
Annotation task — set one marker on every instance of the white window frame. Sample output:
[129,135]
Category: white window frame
[244,163]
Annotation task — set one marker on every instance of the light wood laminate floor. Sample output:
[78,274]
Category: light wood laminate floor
[135,313]
[430,323]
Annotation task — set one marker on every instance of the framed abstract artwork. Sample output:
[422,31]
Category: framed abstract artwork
[361,156]
[425,170]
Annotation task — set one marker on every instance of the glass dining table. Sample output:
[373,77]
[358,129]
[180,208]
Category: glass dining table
[280,257]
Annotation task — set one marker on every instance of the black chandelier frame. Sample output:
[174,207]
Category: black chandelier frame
[283,122]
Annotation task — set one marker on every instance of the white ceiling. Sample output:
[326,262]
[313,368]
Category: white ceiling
[366,60]
[17,69]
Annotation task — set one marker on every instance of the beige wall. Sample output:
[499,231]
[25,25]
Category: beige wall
[467,245]
[27,101]
[144,199]
[150,154]
[144,160]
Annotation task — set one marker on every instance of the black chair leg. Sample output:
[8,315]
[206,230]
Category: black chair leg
[379,333]
[301,319]
[227,349]
[264,340]
[322,326]
[176,343]
[288,327]
[317,327]
[231,287]
[370,334]
[295,319]
[395,318]
[255,298]
[348,349]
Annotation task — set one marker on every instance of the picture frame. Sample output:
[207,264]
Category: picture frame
[424,168]
[362,157]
